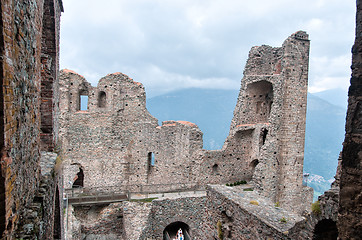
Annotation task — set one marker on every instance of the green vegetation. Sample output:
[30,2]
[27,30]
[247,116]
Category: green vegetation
[254,202]
[144,200]
[248,189]
[220,234]
[236,183]
[283,220]
[277,204]
[316,208]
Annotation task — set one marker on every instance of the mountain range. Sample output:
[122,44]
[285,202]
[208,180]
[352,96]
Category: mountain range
[212,110]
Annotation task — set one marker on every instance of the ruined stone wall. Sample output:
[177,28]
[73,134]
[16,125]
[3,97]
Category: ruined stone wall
[273,100]
[185,211]
[247,215]
[21,44]
[116,142]
[350,210]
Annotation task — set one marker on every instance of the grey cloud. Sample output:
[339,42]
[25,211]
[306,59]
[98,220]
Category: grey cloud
[177,44]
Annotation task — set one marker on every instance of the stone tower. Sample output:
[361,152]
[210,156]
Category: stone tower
[273,102]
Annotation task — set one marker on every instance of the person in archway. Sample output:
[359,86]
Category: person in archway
[179,235]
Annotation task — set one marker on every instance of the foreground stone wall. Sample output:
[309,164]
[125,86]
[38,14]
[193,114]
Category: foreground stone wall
[350,209]
[184,211]
[22,25]
[247,215]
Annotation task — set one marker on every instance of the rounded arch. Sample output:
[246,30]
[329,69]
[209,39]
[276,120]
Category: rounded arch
[79,179]
[171,230]
[325,229]
[259,101]
[102,99]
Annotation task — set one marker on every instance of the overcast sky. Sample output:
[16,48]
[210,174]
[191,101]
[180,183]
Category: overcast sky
[173,44]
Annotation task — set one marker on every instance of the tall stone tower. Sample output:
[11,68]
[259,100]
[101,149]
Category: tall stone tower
[273,102]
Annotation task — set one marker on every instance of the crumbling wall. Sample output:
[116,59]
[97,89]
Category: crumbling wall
[116,142]
[187,211]
[273,98]
[238,214]
[22,25]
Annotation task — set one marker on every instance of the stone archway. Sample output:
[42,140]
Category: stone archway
[172,229]
[325,229]
[79,179]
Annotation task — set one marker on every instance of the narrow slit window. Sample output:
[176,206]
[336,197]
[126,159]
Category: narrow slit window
[151,160]
[83,102]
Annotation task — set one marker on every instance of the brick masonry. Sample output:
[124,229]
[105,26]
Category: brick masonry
[22,26]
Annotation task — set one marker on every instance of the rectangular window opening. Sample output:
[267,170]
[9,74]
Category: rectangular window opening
[151,160]
[83,103]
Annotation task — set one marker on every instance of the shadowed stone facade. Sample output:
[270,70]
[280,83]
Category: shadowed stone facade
[30,184]
[350,208]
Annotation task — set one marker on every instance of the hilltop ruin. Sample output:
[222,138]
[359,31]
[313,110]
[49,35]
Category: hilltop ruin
[115,143]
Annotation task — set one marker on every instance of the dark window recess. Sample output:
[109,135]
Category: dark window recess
[264,133]
[102,99]
[79,181]
[325,229]
[215,168]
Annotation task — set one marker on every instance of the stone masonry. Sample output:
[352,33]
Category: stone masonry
[28,27]
[116,142]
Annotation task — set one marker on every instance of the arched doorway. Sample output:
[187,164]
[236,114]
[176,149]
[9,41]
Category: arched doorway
[79,179]
[171,230]
[325,229]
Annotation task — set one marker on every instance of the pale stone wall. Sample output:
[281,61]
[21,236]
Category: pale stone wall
[116,142]
[273,96]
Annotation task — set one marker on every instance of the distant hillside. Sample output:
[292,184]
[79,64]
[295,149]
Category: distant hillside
[324,137]
[335,96]
[212,111]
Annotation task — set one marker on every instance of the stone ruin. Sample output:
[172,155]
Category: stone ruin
[115,144]
[116,139]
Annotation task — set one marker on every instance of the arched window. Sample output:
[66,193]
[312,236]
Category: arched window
[79,179]
[325,229]
[259,101]
[215,168]
[174,228]
[253,165]
[102,99]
